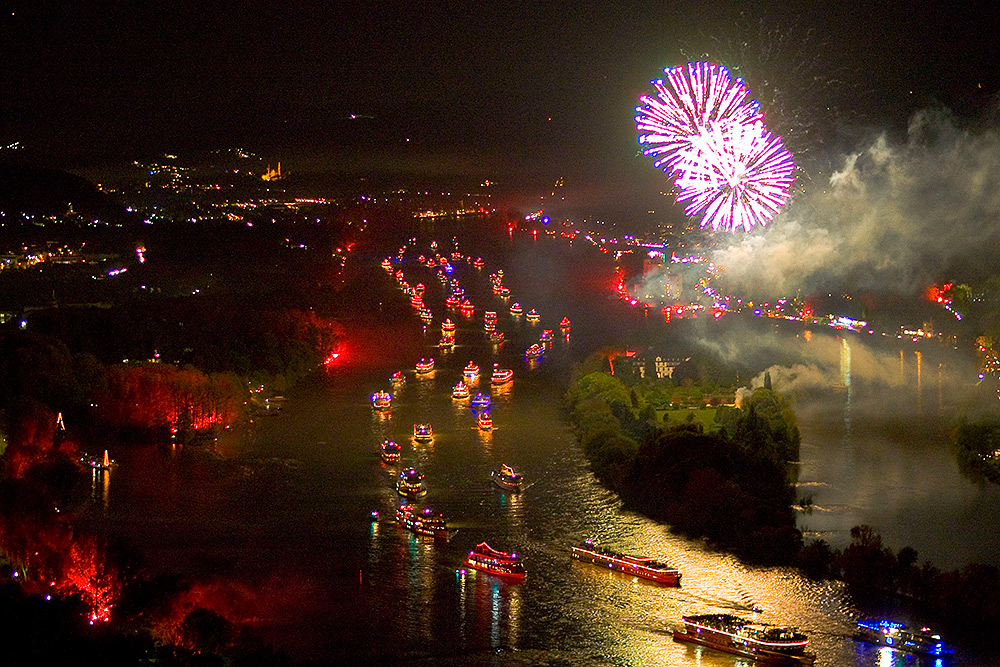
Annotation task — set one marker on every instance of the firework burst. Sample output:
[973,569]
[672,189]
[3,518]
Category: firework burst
[704,130]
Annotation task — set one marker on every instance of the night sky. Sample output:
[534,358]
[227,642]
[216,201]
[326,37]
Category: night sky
[518,91]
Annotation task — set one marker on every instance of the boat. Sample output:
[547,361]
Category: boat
[410,483]
[504,292]
[448,327]
[467,307]
[485,558]
[452,301]
[423,521]
[381,400]
[419,289]
[506,478]
[765,643]
[426,315]
[501,375]
[387,265]
[470,372]
[489,326]
[423,432]
[96,463]
[534,351]
[478,263]
[390,451]
[417,302]
[898,636]
[490,316]
[516,309]
[564,325]
[460,390]
[496,337]
[485,422]
[546,336]
[425,365]
[636,566]
[397,379]
[446,342]
[481,401]
[532,315]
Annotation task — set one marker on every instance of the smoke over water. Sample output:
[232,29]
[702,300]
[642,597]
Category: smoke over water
[894,218]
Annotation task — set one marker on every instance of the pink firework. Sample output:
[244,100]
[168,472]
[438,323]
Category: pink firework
[706,132]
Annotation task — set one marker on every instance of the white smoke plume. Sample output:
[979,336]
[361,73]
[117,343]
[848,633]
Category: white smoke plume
[896,217]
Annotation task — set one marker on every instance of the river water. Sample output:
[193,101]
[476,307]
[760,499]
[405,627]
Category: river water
[275,520]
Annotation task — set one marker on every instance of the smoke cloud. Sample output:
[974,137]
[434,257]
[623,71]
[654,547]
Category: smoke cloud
[895,217]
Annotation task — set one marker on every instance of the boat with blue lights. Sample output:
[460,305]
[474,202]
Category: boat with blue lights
[534,351]
[381,400]
[391,451]
[422,521]
[898,636]
[470,372]
[763,642]
[507,478]
[485,558]
[410,483]
[637,566]
[423,432]
[481,401]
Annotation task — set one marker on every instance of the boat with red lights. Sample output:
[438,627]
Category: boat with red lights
[637,566]
[507,478]
[446,342]
[478,262]
[534,351]
[501,375]
[460,390]
[397,378]
[447,327]
[490,316]
[485,422]
[532,315]
[898,636]
[425,365]
[423,432]
[564,325]
[769,644]
[485,558]
[546,336]
[504,292]
[496,337]
[516,309]
[422,521]
[381,400]
[391,451]
[417,302]
[387,265]
[467,308]
[410,483]
[452,301]
[470,372]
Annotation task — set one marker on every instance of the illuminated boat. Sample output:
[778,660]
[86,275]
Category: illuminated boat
[485,422]
[769,644]
[898,636]
[399,276]
[532,315]
[496,337]
[467,308]
[426,315]
[417,302]
[96,463]
[504,292]
[448,327]
[423,521]
[423,432]
[419,289]
[459,292]
[485,558]
[387,265]
[425,365]
[470,372]
[397,379]
[489,327]
[534,351]
[390,451]
[460,390]
[564,325]
[506,478]
[490,316]
[446,342]
[452,301]
[478,262]
[546,336]
[381,400]
[501,375]
[410,483]
[637,566]
[516,309]
[481,401]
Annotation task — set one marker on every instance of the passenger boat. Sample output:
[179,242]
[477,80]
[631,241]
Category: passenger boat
[532,315]
[470,372]
[478,262]
[417,302]
[501,375]
[516,309]
[898,636]
[381,400]
[485,558]
[489,326]
[490,316]
[446,342]
[426,315]
[496,337]
[460,390]
[452,301]
[423,432]
[546,336]
[467,308]
[387,265]
[534,351]
[637,566]
[397,379]
[481,401]
[506,478]
[485,422]
[422,521]
[564,325]
[390,451]
[769,644]
[410,483]
[504,292]
[425,365]
[447,327]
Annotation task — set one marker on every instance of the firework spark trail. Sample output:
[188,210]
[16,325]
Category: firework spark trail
[710,137]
